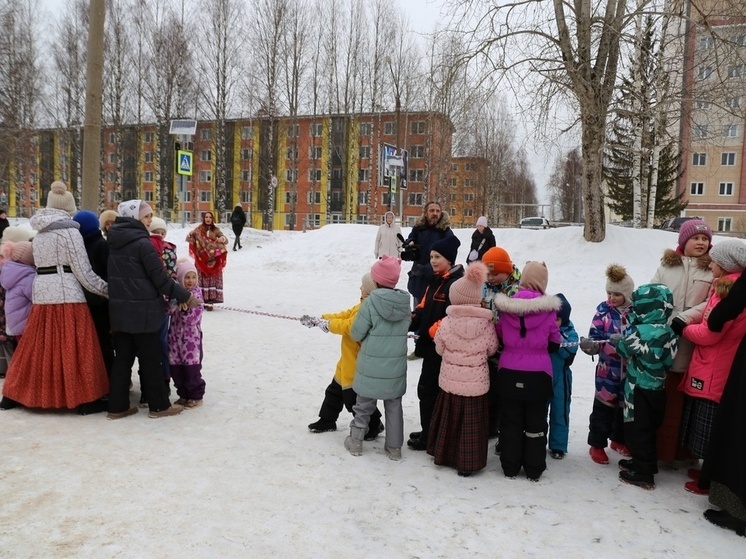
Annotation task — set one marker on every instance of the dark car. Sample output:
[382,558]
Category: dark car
[675,223]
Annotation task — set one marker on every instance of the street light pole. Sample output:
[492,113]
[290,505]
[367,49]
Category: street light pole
[397,116]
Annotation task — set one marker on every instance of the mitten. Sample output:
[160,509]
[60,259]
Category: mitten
[614,339]
[324,326]
[309,321]
[588,346]
[678,325]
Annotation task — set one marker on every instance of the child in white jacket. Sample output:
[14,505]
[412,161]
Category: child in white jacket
[465,338]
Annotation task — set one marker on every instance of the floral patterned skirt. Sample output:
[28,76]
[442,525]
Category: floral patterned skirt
[212,287]
[58,363]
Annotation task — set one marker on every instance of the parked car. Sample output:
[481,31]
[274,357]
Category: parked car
[535,223]
[675,223]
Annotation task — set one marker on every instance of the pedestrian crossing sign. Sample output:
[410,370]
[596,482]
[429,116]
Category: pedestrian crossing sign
[184,163]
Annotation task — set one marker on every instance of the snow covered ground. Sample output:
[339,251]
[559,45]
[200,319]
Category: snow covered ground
[243,477]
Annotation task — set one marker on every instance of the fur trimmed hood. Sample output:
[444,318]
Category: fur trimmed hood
[523,306]
[723,285]
[671,259]
[443,223]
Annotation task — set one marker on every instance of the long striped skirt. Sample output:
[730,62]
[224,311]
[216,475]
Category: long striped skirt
[58,362]
[459,432]
[212,287]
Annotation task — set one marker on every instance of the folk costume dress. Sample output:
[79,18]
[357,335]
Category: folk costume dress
[58,363]
[208,247]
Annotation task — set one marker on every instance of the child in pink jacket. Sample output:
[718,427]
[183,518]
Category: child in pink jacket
[465,339]
[185,341]
[713,356]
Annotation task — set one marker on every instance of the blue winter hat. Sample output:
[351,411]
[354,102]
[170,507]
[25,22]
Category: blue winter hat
[88,221]
[447,247]
[564,313]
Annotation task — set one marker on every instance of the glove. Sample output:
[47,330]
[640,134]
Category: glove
[678,325]
[309,321]
[324,326]
[588,346]
[193,302]
[614,339]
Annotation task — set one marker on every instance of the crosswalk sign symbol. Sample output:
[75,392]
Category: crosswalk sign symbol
[184,159]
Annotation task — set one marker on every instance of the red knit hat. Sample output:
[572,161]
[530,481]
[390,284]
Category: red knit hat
[386,271]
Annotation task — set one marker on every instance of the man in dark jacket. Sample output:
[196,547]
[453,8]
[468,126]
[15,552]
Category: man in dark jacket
[433,226]
[138,282]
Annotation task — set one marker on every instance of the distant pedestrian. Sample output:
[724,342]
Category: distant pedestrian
[238,222]
[481,240]
[387,237]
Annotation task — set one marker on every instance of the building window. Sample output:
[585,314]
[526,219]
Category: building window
[733,102]
[246,133]
[454,166]
[388,128]
[149,137]
[739,40]
[724,224]
[702,103]
[704,72]
[246,175]
[314,219]
[246,154]
[205,155]
[317,129]
[365,128]
[726,189]
[416,175]
[364,152]
[363,175]
[314,175]
[453,182]
[205,134]
[362,220]
[728,158]
[700,130]
[697,189]
[469,183]
[112,158]
[417,152]
[468,197]
[314,152]
[290,197]
[291,175]
[148,195]
[292,130]
[316,197]
[205,176]
[291,154]
[706,43]
[188,196]
[699,159]
[735,70]
[385,199]
[205,195]
[453,197]
[730,130]
[414,198]
[245,196]
[362,198]
[417,127]
[469,167]
[148,176]
[468,212]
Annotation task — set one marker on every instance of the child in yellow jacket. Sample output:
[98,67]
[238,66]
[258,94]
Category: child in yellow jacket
[339,393]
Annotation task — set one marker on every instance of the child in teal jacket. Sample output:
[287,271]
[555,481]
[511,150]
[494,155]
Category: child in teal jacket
[381,327]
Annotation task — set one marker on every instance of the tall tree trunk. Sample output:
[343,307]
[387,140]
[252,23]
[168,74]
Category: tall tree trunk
[93,105]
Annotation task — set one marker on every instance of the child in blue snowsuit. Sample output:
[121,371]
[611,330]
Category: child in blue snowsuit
[559,403]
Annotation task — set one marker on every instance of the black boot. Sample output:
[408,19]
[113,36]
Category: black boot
[97,406]
[644,481]
[726,520]
[373,431]
[8,404]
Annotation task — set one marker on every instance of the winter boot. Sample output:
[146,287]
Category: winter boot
[620,448]
[726,520]
[354,442]
[643,481]
[322,426]
[393,453]
[598,455]
[373,432]
[625,464]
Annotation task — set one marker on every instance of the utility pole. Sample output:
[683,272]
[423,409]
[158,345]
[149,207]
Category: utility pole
[93,102]
[394,179]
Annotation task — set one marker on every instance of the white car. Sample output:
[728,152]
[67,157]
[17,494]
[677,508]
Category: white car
[535,223]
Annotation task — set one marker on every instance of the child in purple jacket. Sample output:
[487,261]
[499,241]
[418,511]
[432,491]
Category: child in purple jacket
[185,341]
[17,278]
[528,331]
